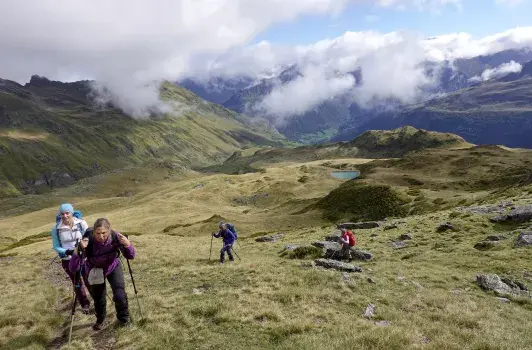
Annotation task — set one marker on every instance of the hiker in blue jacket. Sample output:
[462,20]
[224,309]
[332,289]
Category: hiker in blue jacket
[68,229]
[228,240]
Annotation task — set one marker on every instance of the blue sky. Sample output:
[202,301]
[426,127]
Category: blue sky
[477,17]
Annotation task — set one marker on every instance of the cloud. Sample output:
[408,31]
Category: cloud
[497,72]
[314,86]
[127,45]
[391,64]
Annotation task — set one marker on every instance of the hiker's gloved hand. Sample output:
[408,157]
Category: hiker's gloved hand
[82,245]
[69,252]
[123,240]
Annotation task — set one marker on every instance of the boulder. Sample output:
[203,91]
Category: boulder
[501,286]
[524,239]
[272,238]
[496,238]
[361,255]
[337,265]
[485,245]
[369,311]
[518,214]
[398,245]
[405,236]
[327,245]
[290,247]
[445,226]
[359,225]
[333,238]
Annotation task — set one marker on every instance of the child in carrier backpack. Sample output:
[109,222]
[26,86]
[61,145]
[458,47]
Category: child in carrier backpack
[348,241]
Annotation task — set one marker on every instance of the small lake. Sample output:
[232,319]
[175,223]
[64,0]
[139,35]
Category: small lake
[345,175]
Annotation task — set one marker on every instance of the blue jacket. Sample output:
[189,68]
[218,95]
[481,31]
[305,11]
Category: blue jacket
[227,235]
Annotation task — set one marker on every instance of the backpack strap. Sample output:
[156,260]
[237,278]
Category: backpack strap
[114,242]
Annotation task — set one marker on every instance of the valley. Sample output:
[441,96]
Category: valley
[424,289]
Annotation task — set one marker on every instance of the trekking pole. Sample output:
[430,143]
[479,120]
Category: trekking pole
[54,259]
[77,284]
[134,286]
[236,254]
[210,251]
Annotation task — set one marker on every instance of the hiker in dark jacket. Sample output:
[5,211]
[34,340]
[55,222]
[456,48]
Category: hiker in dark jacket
[102,263]
[228,240]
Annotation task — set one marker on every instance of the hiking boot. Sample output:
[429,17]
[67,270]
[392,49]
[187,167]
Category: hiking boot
[97,326]
[126,323]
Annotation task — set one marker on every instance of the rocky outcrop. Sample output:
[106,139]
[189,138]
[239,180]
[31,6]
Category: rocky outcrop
[523,240]
[359,225]
[517,215]
[337,265]
[502,286]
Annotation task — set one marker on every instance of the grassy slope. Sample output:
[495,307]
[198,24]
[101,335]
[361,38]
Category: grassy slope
[371,144]
[43,142]
[264,301]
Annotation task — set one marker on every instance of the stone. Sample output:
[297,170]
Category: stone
[501,287]
[383,323]
[291,247]
[445,227]
[485,245]
[359,225]
[369,311]
[199,186]
[496,238]
[517,215]
[503,300]
[361,255]
[327,245]
[524,239]
[405,237]
[398,245]
[272,238]
[337,265]
[333,238]
[390,227]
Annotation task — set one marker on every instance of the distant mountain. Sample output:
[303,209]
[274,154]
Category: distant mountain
[493,112]
[216,90]
[339,115]
[51,134]
[475,66]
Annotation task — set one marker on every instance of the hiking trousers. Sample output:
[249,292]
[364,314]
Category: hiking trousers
[346,251]
[226,248]
[99,293]
[80,292]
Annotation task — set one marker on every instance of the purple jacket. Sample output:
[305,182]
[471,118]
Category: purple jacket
[103,255]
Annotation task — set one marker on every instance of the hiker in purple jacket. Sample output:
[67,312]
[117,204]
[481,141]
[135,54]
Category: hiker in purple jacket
[100,246]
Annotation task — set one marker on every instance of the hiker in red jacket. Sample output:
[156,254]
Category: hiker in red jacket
[348,241]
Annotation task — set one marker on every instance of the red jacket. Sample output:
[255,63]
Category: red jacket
[348,236]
